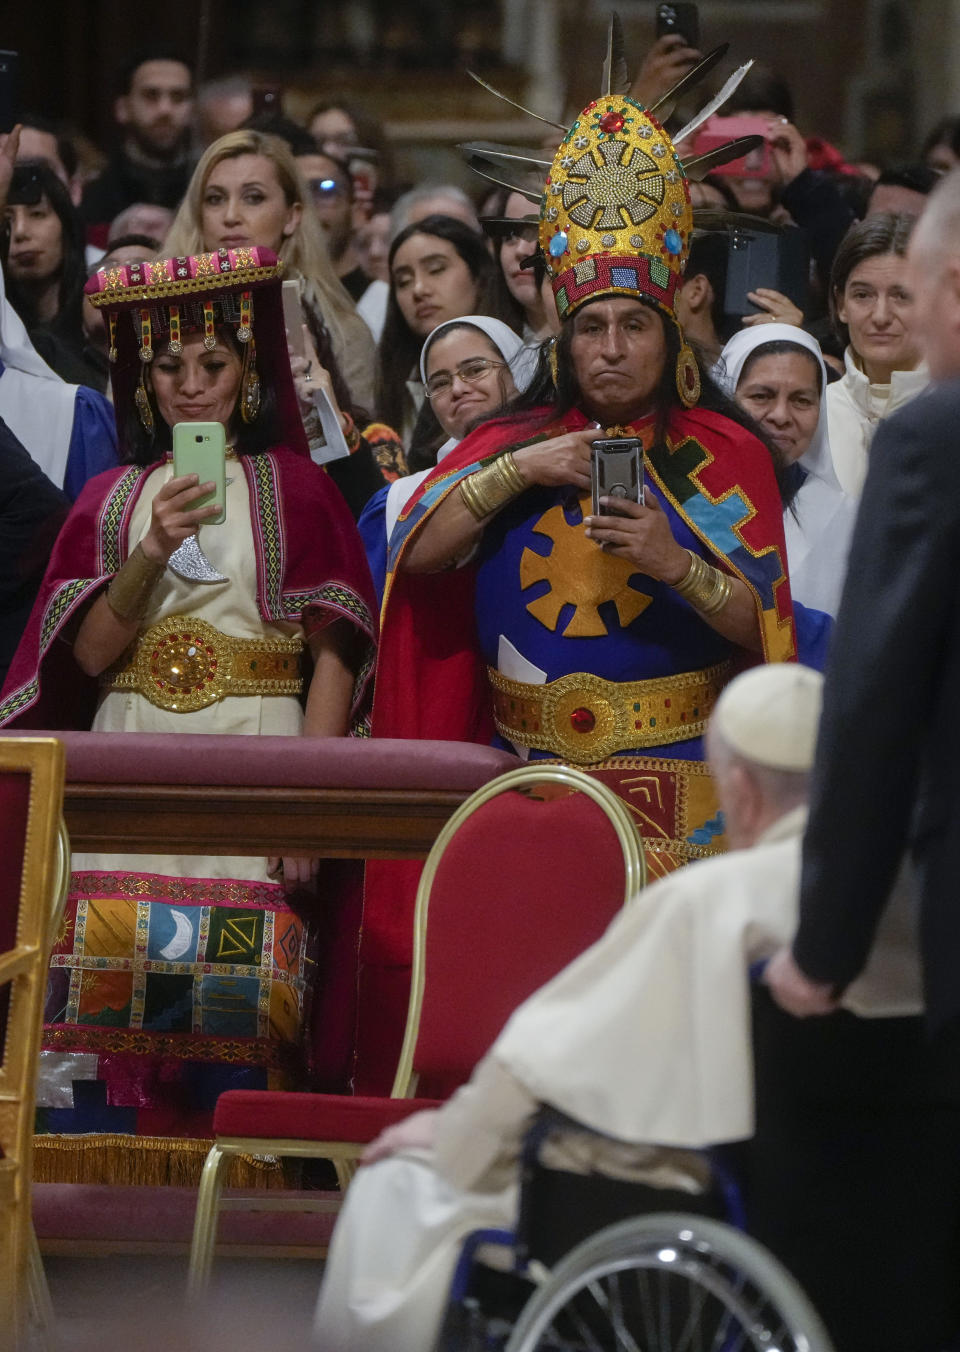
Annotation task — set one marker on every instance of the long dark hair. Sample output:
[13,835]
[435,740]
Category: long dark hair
[66,324]
[399,345]
[567,395]
[251,439]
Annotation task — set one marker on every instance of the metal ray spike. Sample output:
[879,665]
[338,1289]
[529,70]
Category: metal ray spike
[484,167]
[190,563]
[715,103]
[666,102]
[614,78]
[700,165]
[513,103]
[515,154]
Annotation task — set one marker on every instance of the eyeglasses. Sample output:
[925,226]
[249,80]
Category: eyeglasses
[323,189]
[472,370]
[527,233]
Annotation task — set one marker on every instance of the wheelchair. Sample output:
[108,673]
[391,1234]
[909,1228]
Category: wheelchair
[598,1264]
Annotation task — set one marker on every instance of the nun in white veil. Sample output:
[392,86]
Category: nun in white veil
[488,395]
[819,522]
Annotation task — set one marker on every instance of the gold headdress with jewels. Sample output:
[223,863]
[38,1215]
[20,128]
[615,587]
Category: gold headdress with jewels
[615,213]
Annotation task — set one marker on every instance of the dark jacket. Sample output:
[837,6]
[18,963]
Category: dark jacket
[887,774]
[32,510]
[124,181]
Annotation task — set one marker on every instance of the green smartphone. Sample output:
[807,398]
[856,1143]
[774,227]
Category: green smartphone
[201,448]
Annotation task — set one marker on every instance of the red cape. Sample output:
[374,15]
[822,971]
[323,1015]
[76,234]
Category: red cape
[309,554]
[432,681]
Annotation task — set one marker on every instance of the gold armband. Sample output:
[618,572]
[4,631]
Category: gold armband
[129,593]
[705,587]
[491,487]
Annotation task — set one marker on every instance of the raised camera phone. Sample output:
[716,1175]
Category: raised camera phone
[683,19]
[9,90]
[25,189]
[616,471]
[201,448]
[778,259]
[717,131]
[293,317]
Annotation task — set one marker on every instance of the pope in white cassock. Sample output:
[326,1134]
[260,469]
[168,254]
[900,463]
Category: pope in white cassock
[664,993]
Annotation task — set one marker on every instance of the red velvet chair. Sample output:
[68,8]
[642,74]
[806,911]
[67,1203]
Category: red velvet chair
[525,875]
[34,871]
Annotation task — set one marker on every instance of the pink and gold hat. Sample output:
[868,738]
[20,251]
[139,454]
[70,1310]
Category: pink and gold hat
[149,306]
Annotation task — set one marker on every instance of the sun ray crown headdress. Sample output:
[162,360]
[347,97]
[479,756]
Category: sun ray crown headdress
[615,213]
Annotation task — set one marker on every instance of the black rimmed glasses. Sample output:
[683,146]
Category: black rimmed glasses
[472,370]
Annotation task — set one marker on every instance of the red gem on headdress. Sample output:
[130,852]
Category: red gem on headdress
[582,720]
[611,122]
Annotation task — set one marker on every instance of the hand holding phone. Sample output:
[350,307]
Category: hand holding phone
[293,317]
[201,449]
[679,18]
[616,471]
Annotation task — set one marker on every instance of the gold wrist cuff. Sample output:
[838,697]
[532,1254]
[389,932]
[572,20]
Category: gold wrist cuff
[705,587]
[491,487]
[129,593]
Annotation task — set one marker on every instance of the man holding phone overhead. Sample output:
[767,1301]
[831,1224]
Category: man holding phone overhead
[599,639]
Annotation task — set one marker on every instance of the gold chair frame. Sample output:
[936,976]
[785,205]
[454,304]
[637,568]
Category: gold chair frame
[24,1297]
[345,1154]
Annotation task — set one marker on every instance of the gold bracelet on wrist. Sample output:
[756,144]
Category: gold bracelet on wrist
[491,487]
[129,593]
[705,587]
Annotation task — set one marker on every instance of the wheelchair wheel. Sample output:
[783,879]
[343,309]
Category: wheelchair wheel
[669,1283]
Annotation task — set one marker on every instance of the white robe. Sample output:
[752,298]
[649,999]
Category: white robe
[664,994]
[855,408]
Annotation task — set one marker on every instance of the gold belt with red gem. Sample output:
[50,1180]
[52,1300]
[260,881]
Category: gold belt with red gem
[584,718]
[184,663]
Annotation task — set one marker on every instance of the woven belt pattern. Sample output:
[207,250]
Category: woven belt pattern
[183,664]
[584,718]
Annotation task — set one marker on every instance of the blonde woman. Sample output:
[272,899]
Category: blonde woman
[247,191]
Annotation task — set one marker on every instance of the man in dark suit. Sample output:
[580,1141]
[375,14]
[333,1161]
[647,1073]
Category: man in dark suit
[887,780]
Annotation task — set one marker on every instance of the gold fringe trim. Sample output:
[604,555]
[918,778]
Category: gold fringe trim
[152,1161]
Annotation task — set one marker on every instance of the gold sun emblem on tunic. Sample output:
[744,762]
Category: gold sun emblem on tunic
[580,574]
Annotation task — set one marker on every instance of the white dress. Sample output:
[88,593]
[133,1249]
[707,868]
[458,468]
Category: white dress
[175,976]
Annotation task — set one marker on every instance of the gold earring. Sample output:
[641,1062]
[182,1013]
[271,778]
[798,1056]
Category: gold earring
[688,376]
[552,359]
[250,384]
[145,413]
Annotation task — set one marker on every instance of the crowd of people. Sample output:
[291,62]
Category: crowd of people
[412,538]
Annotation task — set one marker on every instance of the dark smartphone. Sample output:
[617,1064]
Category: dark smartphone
[616,471]
[683,19]
[267,99]
[777,259]
[25,189]
[9,90]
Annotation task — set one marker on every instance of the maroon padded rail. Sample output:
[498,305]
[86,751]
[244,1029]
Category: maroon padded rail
[331,796]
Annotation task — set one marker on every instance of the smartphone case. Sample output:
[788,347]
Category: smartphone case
[201,448]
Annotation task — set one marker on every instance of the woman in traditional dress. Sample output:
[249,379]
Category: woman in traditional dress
[177,977]
[247,191]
